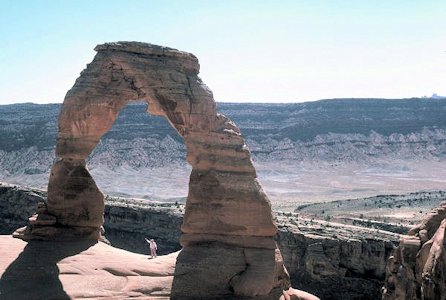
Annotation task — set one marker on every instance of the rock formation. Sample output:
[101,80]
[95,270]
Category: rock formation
[417,268]
[228,216]
[319,256]
[80,270]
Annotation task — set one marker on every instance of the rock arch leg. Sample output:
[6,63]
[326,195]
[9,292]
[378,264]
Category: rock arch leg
[227,215]
[228,230]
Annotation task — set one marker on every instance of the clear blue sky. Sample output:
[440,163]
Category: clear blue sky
[256,51]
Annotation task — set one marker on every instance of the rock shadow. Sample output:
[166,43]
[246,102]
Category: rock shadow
[35,275]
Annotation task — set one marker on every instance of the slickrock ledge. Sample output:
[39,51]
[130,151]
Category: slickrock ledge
[228,220]
[88,270]
[80,270]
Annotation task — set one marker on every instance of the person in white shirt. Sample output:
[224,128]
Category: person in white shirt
[153,247]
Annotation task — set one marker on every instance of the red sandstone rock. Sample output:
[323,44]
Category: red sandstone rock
[293,294]
[417,269]
[80,270]
[228,228]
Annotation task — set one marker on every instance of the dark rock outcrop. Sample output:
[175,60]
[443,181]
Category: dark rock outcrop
[16,205]
[335,261]
[127,221]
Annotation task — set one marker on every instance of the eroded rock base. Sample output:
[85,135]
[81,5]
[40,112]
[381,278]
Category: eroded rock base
[44,226]
[57,233]
[249,273]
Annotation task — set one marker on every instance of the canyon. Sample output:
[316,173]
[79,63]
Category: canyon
[319,255]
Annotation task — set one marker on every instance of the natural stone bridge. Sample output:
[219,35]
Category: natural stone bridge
[228,231]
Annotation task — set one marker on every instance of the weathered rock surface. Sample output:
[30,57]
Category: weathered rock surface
[87,270]
[330,260]
[226,206]
[80,270]
[417,268]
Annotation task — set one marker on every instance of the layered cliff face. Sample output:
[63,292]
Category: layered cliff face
[127,221]
[16,205]
[320,256]
[335,261]
[417,268]
[357,129]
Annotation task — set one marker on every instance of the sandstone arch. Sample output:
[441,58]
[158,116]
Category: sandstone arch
[228,216]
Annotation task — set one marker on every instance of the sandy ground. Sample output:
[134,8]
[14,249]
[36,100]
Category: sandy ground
[396,213]
[295,184]
[80,270]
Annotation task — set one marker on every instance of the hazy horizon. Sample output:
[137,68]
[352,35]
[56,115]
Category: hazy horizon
[265,102]
[249,51]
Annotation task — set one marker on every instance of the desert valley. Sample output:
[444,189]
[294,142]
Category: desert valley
[304,153]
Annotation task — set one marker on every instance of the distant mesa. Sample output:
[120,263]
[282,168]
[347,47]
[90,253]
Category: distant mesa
[435,96]
[357,133]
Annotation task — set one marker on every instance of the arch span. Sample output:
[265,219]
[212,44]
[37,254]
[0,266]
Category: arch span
[228,216]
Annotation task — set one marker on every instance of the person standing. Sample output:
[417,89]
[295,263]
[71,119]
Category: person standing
[153,247]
